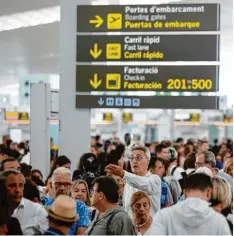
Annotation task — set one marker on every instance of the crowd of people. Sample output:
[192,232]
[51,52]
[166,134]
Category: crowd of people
[120,188]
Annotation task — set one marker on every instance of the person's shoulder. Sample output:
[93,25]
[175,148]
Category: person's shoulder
[218,217]
[80,205]
[33,205]
[120,213]
[47,201]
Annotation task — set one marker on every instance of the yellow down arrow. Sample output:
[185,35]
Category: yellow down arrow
[95,82]
[98,21]
[95,52]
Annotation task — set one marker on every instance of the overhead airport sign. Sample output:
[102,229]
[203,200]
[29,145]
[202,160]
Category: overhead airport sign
[146,78]
[137,18]
[150,102]
[147,48]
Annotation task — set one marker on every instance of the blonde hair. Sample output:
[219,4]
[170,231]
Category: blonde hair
[80,181]
[221,191]
[227,165]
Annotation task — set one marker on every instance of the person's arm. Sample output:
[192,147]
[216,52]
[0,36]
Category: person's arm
[150,184]
[81,230]
[42,220]
[83,222]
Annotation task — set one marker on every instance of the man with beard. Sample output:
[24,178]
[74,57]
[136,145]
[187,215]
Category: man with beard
[61,185]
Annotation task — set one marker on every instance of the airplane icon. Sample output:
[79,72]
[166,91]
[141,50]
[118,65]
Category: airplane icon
[114,21]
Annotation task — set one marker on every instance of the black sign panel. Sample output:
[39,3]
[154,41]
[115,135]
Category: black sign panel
[133,18]
[150,102]
[147,48]
[147,78]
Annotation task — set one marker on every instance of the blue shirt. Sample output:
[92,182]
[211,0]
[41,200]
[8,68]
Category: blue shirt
[163,194]
[82,212]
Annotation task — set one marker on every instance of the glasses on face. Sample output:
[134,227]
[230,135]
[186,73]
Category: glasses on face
[137,158]
[64,184]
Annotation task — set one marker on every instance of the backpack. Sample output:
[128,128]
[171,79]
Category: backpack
[184,176]
[174,186]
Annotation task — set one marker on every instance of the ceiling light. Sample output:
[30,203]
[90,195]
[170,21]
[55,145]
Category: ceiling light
[30,18]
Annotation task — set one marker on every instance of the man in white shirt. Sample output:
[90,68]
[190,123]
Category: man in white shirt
[140,180]
[32,216]
[193,216]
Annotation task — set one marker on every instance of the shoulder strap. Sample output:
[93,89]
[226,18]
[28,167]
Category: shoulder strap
[173,170]
[109,221]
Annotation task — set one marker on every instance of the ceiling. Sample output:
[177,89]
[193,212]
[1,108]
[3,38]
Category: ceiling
[8,7]
[27,50]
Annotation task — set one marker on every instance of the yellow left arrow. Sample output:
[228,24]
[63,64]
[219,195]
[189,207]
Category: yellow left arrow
[98,21]
[95,52]
[95,82]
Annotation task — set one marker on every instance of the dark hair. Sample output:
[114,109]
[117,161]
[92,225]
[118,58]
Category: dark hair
[31,191]
[198,181]
[113,157]
[37,181]
[6,151]
[33,171]
[22,145]
[153,160]
[9,159]
[120,148]
[8,143]
[106,145]
[3,216]
[60,161]
[59,222]
[178,140]
[190,161]
[108,187]
[25,169]
[159,148]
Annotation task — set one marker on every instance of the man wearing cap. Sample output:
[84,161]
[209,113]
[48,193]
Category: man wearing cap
[62,215]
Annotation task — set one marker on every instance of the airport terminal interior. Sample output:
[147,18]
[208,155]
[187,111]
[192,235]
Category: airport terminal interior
[131,100]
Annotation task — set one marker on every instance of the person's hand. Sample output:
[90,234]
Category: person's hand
[115,170]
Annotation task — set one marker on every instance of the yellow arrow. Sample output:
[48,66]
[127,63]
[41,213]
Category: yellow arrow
[95,82]
[95,52]
[98,21]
